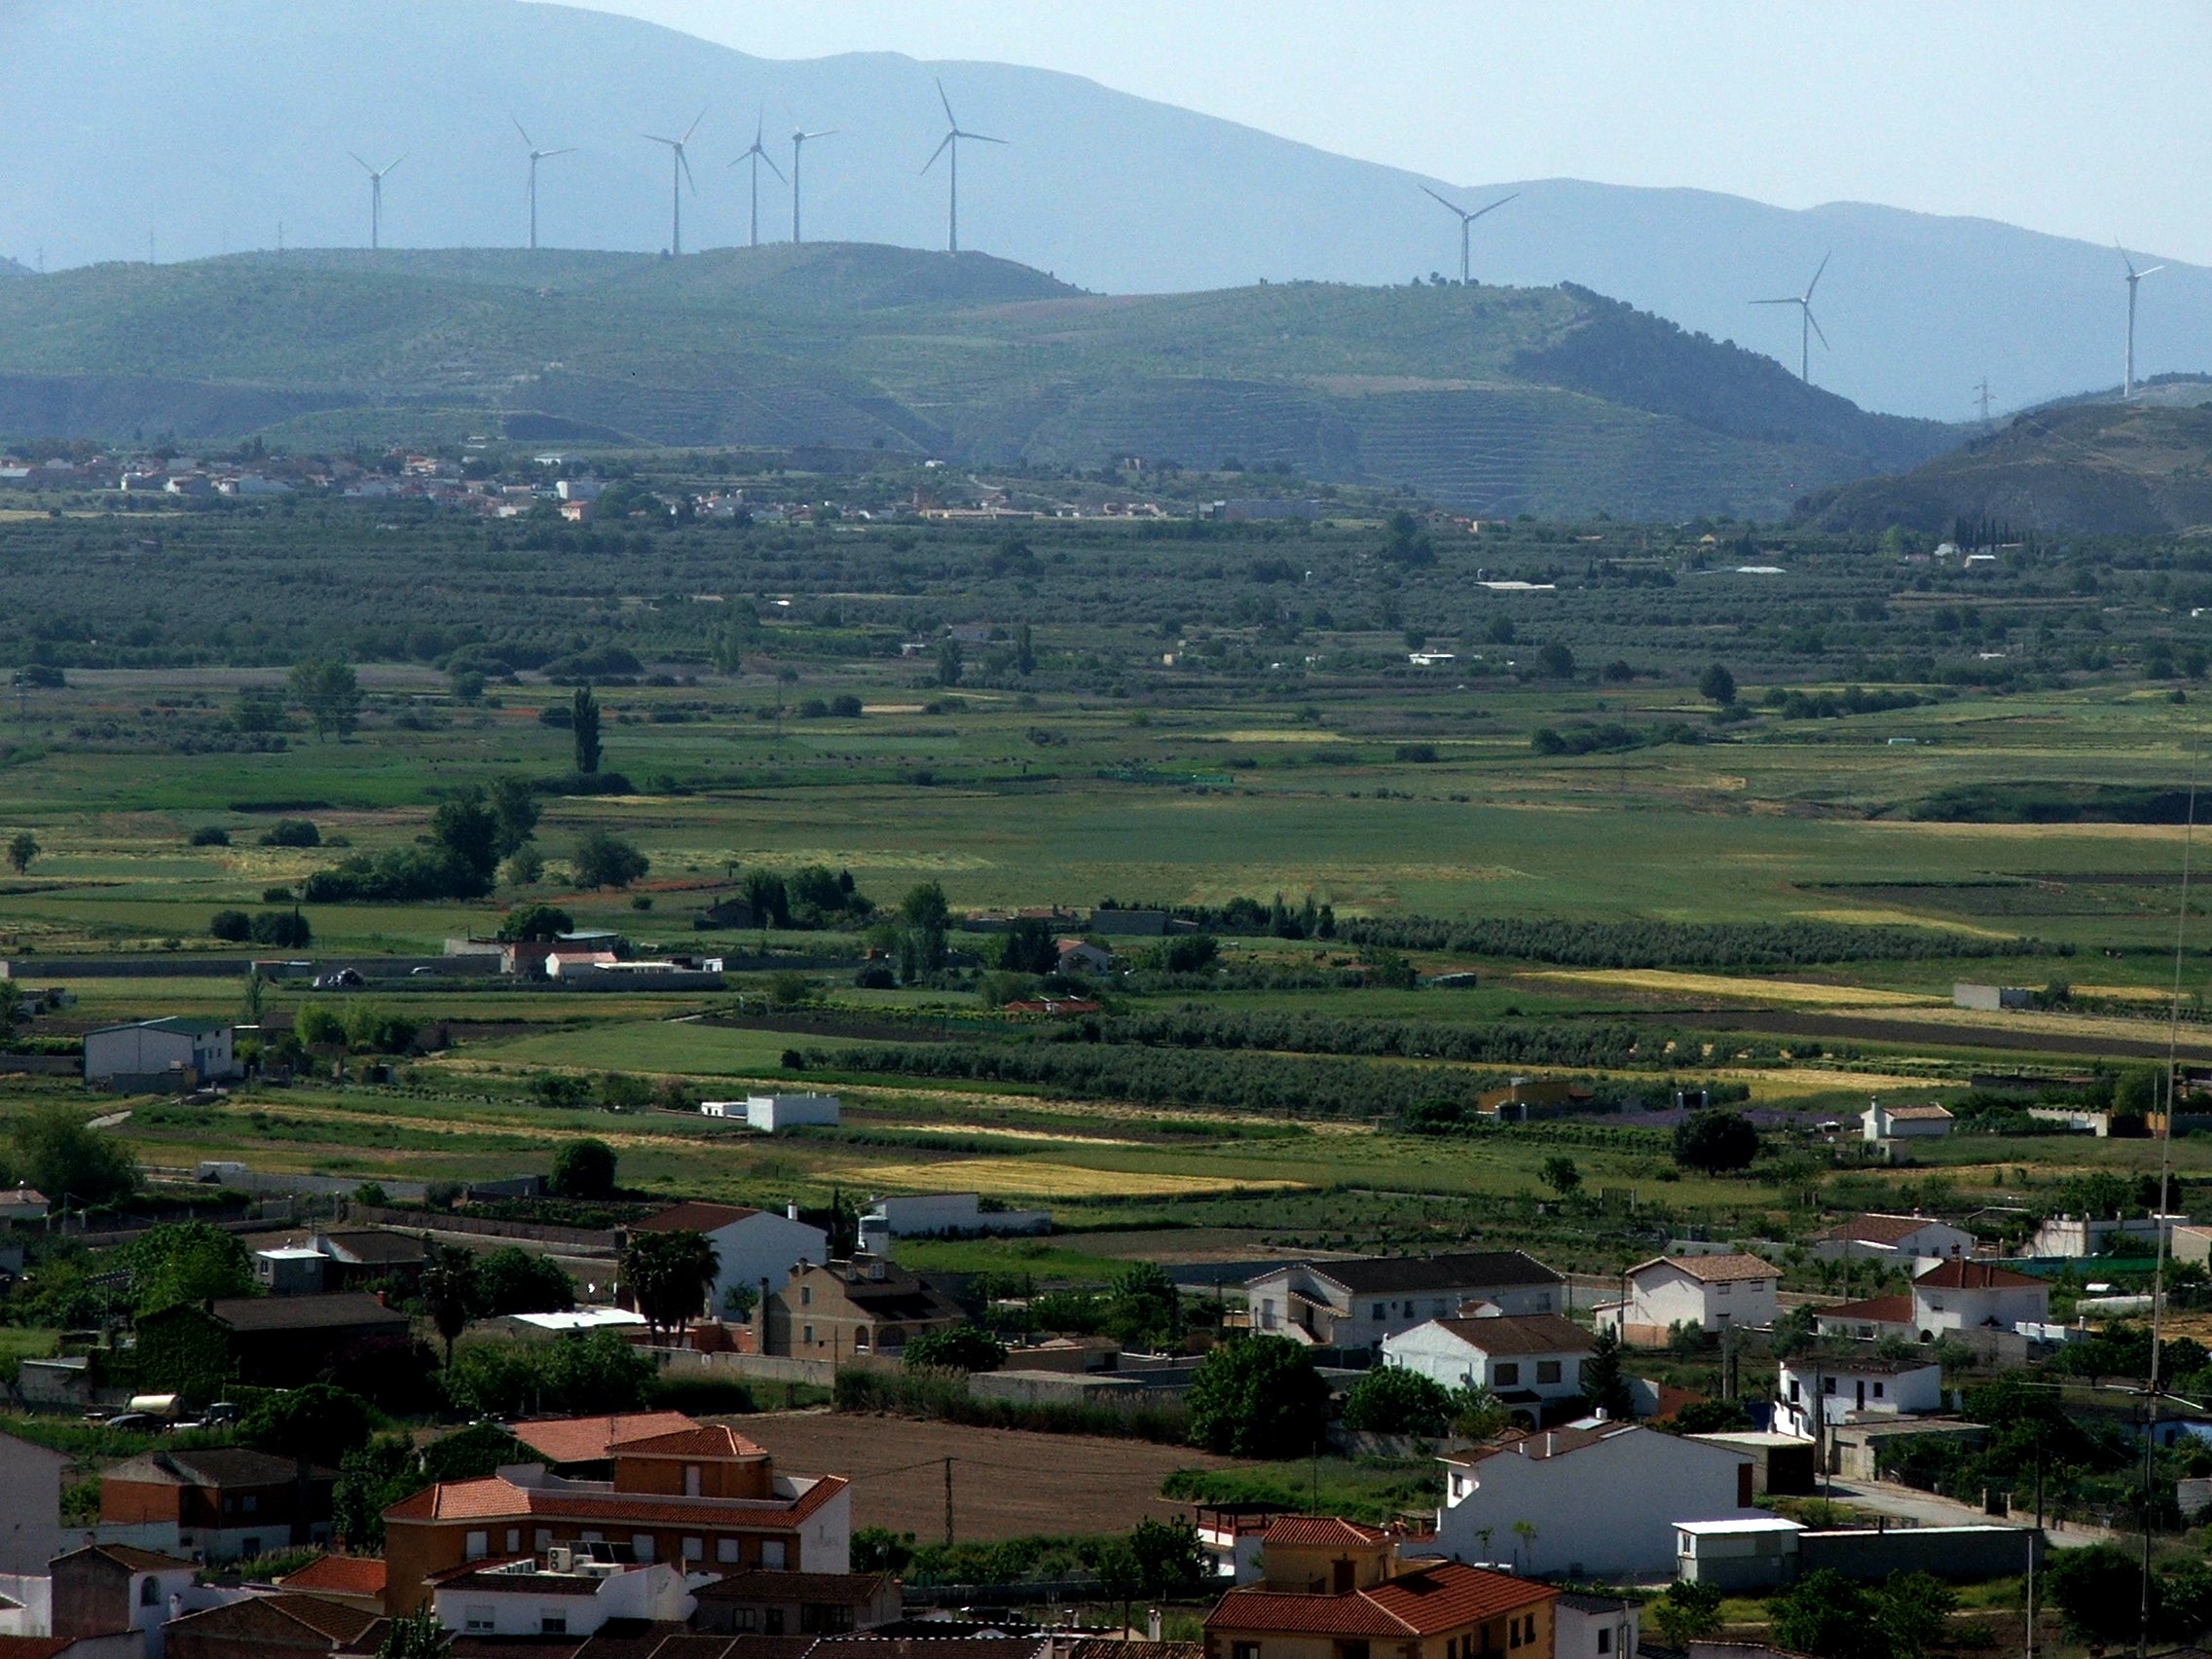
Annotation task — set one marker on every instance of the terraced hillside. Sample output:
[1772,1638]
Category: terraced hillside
[1499,400]
[2093,469]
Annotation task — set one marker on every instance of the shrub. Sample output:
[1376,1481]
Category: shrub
[211,836]
[1392,1400]
[286,929]
[292,832]
[583,1169]
[1258,1397]
[233,927]
[603,860]
[962,1347]
[1716,1141]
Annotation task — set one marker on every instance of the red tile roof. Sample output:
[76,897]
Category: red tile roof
[33,1647]
[1881,1310]
[1715,1270]
[1959,1274]
[1448,1595]
[1878,1228]
[337,1575]
[585,1439]
[495,1498]
[702,1440]
[1322,1532]
[1525,1333]
[693,1215]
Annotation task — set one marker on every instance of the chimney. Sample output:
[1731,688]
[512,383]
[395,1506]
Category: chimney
[790,1211]
[383,1299]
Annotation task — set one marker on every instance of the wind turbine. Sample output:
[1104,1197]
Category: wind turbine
[1466,222]
[2134,276]
[757,155]
[1808,325]
[798,148]
[679,174]
[951,141]
[376,199]
[535,155]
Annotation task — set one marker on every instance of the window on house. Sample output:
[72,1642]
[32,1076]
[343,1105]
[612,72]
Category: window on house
[1547,1371]
[1605,1638]
[149,1592]
[1793,1390]
[1508,1373]
[1827,1385]
[477,1620]
[641,1546]
[726,1551]
[477,1545]
[552,1621]
[694,1549]
[806,1296]
[1243,1651]
[251,1503]
[1726,1289]
[1544,1303]
[514,1540]
[542,1539]
[1877,1390]
[808,1335]
[1382,1309]
[772,1621]
[772,1553]
[690,1480]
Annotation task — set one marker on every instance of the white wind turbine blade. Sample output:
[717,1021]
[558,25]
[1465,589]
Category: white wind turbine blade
[401,157]
[1815,281]
[685,162]
[1494,206]
[548,155]
[2146,271]
[693,128]
[1446,203]
[525,131]
[1816,322]
[1789,300]
[363,165]
[951,120]
[984,138]
[942,144]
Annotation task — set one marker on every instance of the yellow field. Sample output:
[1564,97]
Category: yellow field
[1272,734]
[1791,991]
[1878,916]
[1014,1177]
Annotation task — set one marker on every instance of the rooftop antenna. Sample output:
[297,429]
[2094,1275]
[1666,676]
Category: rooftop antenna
[679,174]
[799,146]
[1807,325]
[951,141]
[757,154]
[2134,278]
[535,155]
[1468,221]
[376,199]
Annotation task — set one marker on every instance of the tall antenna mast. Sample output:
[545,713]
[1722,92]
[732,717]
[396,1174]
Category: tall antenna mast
[2158,1218]
[1983,399]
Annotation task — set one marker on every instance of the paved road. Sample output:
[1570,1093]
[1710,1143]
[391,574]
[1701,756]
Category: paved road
[1928,1510]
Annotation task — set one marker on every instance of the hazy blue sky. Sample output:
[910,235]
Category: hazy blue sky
[2086,118]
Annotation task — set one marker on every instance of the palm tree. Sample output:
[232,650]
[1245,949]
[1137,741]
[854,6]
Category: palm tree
[1525,1534]
[671,1275]
[449,1291]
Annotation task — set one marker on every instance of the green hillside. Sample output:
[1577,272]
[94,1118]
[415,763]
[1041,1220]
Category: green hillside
[1552,400]
[2089,469]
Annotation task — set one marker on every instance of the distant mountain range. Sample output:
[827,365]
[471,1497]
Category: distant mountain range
[206,126]
[2103,469]
[1553,402]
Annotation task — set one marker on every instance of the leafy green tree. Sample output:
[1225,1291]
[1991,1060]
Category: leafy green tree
[1717,685]
[315,1423]
[1605,1385]
[583,1169]
[928,917]
[1477,1414]
[319,1027]
[1716,1141]
[466,831]
[1561,1175]
[1392,1400]
[512,1280]
[1830,1616]
[950,663]
[185,1261]
[514,805]
[449,1293]
[416,1636]
[603,860]
[537,924]
[669,1275]
[961,1348]
[1144,1305]
[327,689]
[1557,662]
[583,726]
[1024,651]
[2098,1590]
[55,1153]
[770,900]
[1169,1555]
[1258,1397]
[1710,1417]
[583,1376]
[1688,1613]
[23,847]
[1028,947]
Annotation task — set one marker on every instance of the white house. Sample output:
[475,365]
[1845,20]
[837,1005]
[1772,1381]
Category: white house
[1525,1360]
[1076,956]
[156,1054]
[1897,1240]
[1358,1301]
[1869,1321]
[1851,1387]
[1882,1123]
[942,1215]
[2071,1236]
[1596,1500]
[566,1593]
[749,1245]
[769,1113]
[30,1505]
[21,1205]
[1976,1296]
[1595,1627]
[1709,1292]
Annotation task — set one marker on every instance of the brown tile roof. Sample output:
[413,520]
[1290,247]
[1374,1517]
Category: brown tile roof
[701,1440]
[278,1618]
[586,1439]
[1919,1114]
[214,1467]
[337,1575]
[34,1646]
[1881,1310]
[1469,1270]
[693,1215]
[1715,1270]
[494,1499]
[341,1311]
[368,1246]
[765,1584]
[1525,1333]
[1877,1229]
[1322,1532]
[1107,1647]
[134,1558]
[1977,1276]
[1448,1595]
[1547,1442]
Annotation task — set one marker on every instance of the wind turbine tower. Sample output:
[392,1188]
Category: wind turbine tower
[376,199]
[1466,223]
[951,141]
[679,174]
[799,141]
[2134,278]
[535,155]
[1808,325]
[757,155]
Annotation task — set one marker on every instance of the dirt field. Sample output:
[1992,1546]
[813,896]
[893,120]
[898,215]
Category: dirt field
[1005,1484]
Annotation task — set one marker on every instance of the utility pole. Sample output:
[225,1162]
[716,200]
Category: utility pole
[1983,400]
[949,1503]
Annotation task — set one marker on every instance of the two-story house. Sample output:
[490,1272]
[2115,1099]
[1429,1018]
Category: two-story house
[1976,1296]
[1337,1590]
[834,1310]
[1709,1292]
[704,1498]
[750,1245]
[1359,1301]
[1828,1388]
[223,1503]
[1529,1361]
[1900,1240]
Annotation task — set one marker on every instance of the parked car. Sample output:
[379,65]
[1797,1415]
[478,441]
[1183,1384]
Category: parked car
[345,980]
[222,1411]
[139,1422]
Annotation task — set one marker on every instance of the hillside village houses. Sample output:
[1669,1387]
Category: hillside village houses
[1356,1303]
[755,1250]
[1910,1241]
[1830,1388]
[1710,1293]
[1886,1126]
[1952,1297]
[1530,1361]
